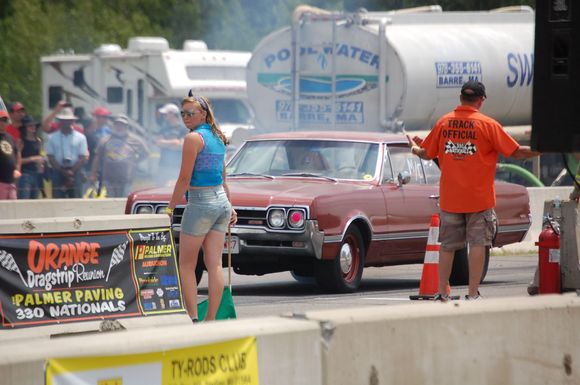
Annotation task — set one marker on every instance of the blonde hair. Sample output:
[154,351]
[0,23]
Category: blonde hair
[203,103]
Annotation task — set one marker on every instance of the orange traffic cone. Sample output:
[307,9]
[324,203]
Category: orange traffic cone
[430,278]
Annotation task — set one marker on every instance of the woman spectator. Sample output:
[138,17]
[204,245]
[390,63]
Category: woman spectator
[32,160]
[208,212]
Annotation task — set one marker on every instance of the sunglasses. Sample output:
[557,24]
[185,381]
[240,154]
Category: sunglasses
[189,114]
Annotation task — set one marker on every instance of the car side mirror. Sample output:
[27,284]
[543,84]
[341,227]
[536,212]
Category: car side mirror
[403,178]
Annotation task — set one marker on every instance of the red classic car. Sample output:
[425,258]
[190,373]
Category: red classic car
[327,204]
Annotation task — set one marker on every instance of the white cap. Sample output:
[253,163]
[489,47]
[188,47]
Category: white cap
[169,108]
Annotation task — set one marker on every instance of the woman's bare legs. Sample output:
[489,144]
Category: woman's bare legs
[213,246]
[189,247]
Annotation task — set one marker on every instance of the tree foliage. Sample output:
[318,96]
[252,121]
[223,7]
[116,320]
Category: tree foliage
[31,29]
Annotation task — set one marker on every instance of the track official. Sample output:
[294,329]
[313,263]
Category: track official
[467,144]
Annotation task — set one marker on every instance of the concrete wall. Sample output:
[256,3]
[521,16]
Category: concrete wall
[82,223]
[531,340]
[48,208]
[501,341]
[538,195]
[289,351]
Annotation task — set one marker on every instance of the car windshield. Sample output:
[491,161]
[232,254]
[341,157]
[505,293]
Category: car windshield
[306,158]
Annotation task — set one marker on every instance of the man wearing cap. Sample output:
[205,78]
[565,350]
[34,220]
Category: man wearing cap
[9,160]
[67,152]
[467,144]
[17,112]
[170,143]
[117,157]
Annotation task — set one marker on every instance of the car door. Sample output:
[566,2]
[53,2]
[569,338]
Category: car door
[409,204]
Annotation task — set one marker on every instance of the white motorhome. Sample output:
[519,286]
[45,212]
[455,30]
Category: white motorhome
[377,71]
[138,80]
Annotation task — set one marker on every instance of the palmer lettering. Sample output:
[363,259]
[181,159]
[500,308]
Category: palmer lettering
[158,249]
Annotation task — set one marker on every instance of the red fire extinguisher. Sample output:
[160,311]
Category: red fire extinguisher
[549,258]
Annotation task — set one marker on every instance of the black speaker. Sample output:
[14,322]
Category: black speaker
[556,92]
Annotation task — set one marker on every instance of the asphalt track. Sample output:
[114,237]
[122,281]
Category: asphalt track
[280,293]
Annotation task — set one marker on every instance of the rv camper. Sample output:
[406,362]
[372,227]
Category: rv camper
[138,80]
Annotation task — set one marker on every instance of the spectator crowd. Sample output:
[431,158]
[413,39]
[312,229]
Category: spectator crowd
[68,156]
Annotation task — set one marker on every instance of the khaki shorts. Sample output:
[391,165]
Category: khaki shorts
[477,229]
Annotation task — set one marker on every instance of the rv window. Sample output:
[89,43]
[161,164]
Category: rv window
[230,111]
[54,96]
[115,95]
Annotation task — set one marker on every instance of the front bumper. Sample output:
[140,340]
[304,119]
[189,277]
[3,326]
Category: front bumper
[259,242]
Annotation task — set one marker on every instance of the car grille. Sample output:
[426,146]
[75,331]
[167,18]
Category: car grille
[178,214]
[247,217]
[251,217]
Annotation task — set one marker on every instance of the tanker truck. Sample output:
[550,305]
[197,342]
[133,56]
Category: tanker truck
[384,71]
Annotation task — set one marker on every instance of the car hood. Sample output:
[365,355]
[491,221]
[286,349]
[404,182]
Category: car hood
[262,193]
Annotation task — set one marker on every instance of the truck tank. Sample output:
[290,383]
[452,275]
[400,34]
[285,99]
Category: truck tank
[377,71]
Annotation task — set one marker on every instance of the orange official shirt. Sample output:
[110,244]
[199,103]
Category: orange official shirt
[467,144]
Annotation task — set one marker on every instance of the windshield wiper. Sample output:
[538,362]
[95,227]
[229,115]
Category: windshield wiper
[252,174]
[309,174]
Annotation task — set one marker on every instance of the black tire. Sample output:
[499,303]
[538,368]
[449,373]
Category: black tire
[460,271]
[343,274]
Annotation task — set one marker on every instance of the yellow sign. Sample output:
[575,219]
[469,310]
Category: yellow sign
[227,363]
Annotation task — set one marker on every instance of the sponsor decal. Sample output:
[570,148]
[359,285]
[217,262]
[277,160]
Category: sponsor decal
[57,278]
[233,362]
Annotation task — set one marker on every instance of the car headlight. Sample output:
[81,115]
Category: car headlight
[160,209]
[144,209]
[276,218]
[296,218]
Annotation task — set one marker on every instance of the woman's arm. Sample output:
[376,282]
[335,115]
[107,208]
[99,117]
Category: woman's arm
[192,145]
[234,217]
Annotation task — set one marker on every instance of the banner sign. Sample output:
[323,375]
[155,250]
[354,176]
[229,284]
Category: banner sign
[53,278]
[228,363]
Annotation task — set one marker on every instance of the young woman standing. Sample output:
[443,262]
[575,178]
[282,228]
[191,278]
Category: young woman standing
[208,212]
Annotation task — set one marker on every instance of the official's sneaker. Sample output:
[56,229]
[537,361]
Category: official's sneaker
[441,297]
[473,297]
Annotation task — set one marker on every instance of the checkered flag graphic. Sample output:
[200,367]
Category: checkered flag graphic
[470,148]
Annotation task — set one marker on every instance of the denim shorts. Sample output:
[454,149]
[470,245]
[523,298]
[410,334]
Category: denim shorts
[477,229]
[207,209]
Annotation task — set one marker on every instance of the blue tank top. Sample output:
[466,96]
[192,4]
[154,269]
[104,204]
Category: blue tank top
[209,163]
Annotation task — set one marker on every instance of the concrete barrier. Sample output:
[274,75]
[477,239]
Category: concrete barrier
[532,340]
[82,223]
[538,195]
[289,351]
[47,208]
